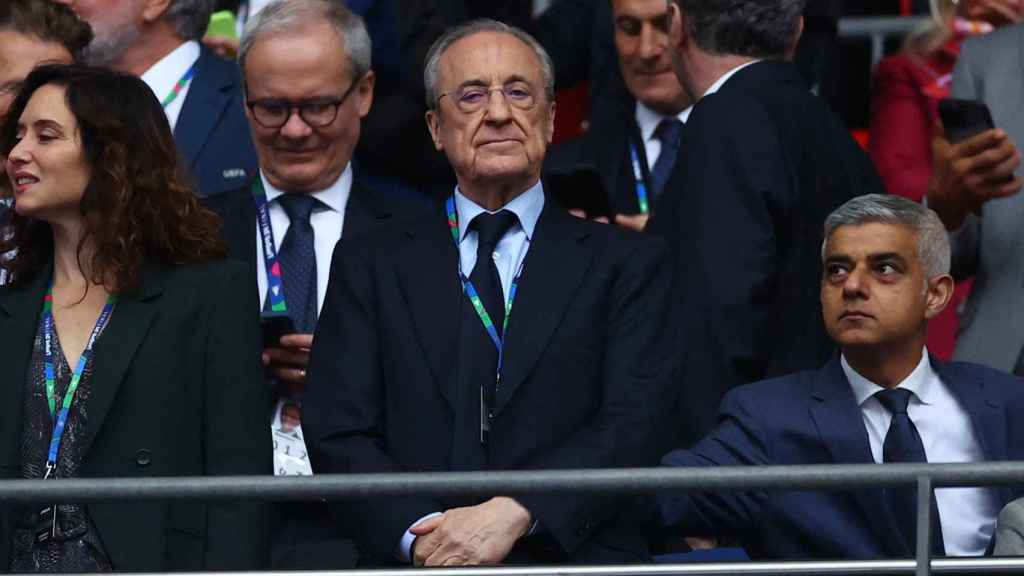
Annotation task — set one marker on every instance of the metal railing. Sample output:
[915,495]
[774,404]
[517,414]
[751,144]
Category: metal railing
[841,477]
[877,29]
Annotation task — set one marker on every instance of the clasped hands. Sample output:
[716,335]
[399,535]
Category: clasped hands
[475,535]
[288,362]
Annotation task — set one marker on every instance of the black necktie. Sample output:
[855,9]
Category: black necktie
[298,261]
[489,228]
[903,444]
[668,132]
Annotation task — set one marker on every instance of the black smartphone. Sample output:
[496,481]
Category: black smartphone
[963,119]
[579,187]
[275,325]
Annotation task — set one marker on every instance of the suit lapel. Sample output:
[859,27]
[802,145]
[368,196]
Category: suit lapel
[428,276]
[116,348]
[208,96]
[552,272]
[362,212]
[19,320]
[988,415]
[841,427]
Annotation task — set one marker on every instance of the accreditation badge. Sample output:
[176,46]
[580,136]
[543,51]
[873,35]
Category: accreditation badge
[290,456]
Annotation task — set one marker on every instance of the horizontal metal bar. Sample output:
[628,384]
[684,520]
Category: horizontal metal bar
[839,567]
[623,481]
[866,27]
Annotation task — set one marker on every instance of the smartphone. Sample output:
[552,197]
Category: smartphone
[580,187]
[963,119]
[275,325]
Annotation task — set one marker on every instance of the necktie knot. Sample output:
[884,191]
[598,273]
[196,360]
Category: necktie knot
[297,206]
[669,131]
[895,400]
[491,227]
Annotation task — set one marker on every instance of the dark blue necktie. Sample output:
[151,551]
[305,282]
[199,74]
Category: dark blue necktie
[298,261]
[903,444]
[489,229]
[668,132]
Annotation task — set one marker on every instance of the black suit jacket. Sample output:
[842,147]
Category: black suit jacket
[585,381]
[761,164]
[177,391]
[813,418]
[212,133]
[606,148]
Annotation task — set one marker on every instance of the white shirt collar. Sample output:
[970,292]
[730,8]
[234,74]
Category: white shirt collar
[334,196]
[527,207]
[162,76]
[725,77]
[919,381]
[648,120]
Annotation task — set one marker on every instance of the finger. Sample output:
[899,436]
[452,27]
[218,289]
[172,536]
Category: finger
[601,219]
[303,341]
[422,548]
[427,526]
[990,160]
[979,143]
[1001,173]
[578,213]
[289,375]
[287,357]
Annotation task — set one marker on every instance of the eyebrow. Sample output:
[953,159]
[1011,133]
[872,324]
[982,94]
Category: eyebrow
[45,123]
[881,256]
[480,82]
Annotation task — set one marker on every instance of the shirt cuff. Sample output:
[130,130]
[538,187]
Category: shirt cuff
[405,545]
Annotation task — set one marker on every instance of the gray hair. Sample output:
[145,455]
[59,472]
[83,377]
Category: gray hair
[932,240]
[292,15]
[190,17]
[754,28]
[456,33]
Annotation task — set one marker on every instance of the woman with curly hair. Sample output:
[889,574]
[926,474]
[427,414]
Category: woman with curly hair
[128,346]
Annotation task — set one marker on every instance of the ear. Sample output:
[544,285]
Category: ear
[365,93]
[940,291]
[550,128]
[796,39]
[154,10]
[434,125]
[677,35]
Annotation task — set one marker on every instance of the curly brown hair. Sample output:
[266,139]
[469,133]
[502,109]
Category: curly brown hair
[138,208]
[48,21]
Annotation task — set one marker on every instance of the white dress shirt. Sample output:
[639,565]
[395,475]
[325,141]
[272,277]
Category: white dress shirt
[508,256]
[327,219]
[967,514]
[725,78]
[648,121]
[163,75]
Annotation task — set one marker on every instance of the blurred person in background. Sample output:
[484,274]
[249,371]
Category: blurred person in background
[905,99]
[129,344]
[200,92]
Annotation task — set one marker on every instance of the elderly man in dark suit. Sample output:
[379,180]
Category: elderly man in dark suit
[761,163]
[200,92]
[882,399]
[502,334]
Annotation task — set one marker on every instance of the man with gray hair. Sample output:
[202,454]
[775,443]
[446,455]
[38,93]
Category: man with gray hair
[500,334]
[761,163]
[200,92]
[882,399]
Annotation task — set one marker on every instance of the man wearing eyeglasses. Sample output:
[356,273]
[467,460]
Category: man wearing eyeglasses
[308,83]
[500,334]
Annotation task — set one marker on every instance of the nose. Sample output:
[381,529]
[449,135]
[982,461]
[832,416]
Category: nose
[651,42]
[498,109]
[19,154]
[855,286]
[295,126]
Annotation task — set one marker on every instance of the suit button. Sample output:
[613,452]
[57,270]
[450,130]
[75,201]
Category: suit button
[143,457]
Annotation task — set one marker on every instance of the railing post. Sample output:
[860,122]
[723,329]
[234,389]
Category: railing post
[924,526]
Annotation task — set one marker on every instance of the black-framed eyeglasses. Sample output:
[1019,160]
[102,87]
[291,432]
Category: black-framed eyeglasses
[474,98]
[274,113]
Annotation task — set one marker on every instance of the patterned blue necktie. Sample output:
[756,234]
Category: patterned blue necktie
[668,132]
[298,261]
[903,444]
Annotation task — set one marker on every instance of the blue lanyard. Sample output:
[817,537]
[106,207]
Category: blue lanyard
[180,85]
[474,297]
[275,284]
[76,377]
[638,177]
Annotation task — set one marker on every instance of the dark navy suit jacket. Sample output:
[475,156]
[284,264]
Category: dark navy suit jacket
[212,133]
[812,418]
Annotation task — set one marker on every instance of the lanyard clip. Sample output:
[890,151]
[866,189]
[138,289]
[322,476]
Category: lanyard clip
[49,470]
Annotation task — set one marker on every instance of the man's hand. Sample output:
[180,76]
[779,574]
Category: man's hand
[968,174]
[222,46]
[473,536]
[635,222]
[288,363]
